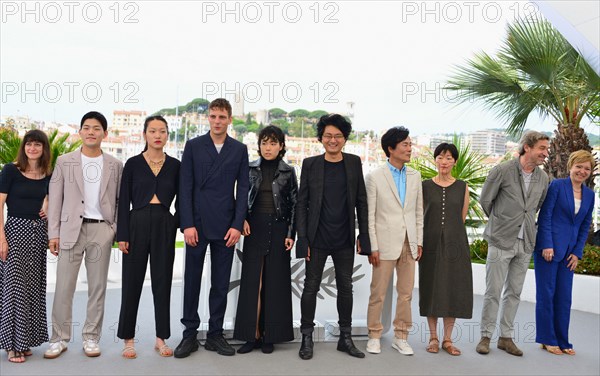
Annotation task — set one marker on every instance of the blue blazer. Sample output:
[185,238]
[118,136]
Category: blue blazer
[558,226]
[207,182]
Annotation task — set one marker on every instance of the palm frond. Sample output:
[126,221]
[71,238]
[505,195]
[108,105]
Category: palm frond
[535,71]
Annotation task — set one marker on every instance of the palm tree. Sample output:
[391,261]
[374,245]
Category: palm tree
[536,70]
[60,146]
[9,145]
[469,168]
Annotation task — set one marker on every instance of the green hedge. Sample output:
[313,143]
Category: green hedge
[589,264]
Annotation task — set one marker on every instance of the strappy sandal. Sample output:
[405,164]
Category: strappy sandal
[450,349]
[164,350]
[16,357]
[552,349]
[27,352]
[568,351]
[434,349]
[129,352]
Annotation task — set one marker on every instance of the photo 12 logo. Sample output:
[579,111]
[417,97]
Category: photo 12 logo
[272,92]
[68,92]
[269,11]
[69,11]
[434,92]
[464,11]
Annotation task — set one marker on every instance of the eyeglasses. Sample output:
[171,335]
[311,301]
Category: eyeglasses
[328,137]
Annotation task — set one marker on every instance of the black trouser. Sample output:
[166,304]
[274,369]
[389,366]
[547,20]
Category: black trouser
[151,232]
[343,262]
[221,258]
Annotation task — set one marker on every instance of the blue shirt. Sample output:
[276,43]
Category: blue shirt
[400,180]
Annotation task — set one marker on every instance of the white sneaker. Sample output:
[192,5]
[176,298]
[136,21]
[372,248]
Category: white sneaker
[402,346]
[373,346]
[55,349]
[91,348]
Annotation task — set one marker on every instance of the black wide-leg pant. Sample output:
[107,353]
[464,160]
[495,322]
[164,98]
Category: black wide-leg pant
[151,233]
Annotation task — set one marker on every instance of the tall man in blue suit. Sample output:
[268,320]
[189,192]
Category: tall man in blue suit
[213,166]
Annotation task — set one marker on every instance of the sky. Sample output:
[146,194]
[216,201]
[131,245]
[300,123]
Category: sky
[59,60]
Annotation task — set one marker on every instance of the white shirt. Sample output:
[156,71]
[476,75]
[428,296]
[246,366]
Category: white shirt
[577,205]
[92,179]
[219,147]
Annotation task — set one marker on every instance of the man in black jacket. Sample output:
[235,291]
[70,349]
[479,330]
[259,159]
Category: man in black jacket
[332,189]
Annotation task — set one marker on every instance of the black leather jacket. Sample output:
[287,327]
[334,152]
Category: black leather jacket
[285,192]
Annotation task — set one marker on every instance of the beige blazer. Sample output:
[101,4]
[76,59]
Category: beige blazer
[389,221]
[66,199]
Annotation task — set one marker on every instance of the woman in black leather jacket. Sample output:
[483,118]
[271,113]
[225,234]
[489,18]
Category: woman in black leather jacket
[264,310]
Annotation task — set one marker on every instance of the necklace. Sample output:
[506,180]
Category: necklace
[155,166]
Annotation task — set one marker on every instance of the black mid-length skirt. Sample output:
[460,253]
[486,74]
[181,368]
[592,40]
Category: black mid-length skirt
[264,249]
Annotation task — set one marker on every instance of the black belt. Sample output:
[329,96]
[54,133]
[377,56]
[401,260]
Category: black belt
[89,220]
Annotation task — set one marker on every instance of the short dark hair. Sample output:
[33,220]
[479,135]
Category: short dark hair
[335,120]
[35,135]
[221,104]
[444,147]
[393,137]
[272,133]
[152,118]
[95,115]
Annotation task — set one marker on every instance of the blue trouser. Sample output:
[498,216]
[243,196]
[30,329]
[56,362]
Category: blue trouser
[221,258]
[554,285]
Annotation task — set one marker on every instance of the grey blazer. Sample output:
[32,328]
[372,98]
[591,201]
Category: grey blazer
[66,198]
[508,206]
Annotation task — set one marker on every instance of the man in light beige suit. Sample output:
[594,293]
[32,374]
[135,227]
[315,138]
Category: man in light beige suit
[395,201]
[82,215]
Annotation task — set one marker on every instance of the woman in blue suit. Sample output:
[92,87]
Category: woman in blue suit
[563,226]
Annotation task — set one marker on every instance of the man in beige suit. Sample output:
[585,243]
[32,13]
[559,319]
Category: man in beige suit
[395,202]
[82,215]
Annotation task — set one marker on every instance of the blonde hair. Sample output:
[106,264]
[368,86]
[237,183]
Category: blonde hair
[581,156]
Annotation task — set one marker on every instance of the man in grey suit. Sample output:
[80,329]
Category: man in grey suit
[511,196]
[82,219]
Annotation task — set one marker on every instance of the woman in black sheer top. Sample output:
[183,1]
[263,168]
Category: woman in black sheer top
[264,311]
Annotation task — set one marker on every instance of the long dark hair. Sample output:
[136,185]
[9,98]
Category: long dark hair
[152,118]
[35,135]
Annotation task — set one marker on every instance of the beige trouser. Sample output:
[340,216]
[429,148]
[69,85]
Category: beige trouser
[94,246]
[405,273]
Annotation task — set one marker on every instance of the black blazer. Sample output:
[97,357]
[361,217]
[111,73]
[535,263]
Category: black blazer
[310,198]
[207,182]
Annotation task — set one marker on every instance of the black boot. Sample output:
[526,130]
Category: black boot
[345,344]
[246,347]
[306,349]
